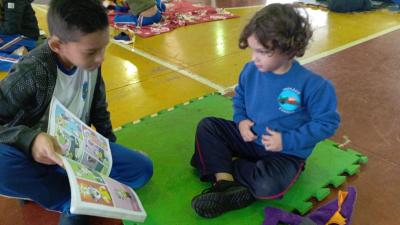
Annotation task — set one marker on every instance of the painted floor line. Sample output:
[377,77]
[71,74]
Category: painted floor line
[222,89]
[336,50]
[40,7]
[164,63]
[245,7]
[348,45]
[173,67]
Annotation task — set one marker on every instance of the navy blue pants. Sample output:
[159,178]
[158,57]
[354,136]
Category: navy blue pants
[22,177]
[267,174]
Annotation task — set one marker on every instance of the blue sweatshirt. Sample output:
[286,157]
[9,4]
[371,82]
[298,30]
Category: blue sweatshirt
[299,104]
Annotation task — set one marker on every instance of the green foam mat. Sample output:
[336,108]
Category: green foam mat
[168,137]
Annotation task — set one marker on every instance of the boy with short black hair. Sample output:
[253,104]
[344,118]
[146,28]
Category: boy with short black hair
[67,67]
[281,111]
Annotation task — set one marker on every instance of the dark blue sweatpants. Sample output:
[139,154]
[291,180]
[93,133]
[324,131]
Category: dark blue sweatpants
[267,174]
[21,177]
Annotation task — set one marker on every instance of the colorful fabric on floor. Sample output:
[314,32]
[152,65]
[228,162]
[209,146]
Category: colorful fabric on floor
[8,60]
[9,43]
[338,212]
[177,14]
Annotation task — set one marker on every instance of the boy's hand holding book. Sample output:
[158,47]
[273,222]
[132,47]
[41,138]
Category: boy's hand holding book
[45,149]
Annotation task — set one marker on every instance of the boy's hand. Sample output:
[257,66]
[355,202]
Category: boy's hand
[245,130]
[273,141]
[44,149]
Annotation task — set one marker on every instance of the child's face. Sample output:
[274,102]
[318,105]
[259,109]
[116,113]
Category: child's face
[267,60]
[87,53]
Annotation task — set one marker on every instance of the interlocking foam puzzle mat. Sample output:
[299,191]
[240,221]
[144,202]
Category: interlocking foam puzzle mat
[168,137]
[178,14]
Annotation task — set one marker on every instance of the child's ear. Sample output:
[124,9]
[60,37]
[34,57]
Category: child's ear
[55,44]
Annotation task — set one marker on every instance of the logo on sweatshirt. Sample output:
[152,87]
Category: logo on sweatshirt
[289,100]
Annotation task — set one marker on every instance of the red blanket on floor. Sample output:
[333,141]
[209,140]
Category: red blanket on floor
[177,14]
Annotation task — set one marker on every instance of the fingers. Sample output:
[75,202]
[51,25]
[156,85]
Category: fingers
[56,146]
[272,142]
[45,160]
[245,130]
[271,132]
[249,136]
[56,149]
[49,157]
[45,150]
[268,141]
[54,158]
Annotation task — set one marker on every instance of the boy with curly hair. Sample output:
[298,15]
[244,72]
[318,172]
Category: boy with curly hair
[281,111]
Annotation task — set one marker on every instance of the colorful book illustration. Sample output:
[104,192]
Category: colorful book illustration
[87,159]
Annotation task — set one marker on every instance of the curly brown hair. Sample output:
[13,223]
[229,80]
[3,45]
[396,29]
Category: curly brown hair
[279,26]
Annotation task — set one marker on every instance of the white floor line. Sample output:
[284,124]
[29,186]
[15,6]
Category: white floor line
[173,67]
[245,7]
[224,90]
[40,7]
[43,6]
[348,45]
[335,50]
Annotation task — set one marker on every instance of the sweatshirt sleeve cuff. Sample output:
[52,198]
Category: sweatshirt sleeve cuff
[25,140]
[286,143]
[238,118]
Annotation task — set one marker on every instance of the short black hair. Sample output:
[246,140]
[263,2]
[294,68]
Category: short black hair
[279,26]
[71,19]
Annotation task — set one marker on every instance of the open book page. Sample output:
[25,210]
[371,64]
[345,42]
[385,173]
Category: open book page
[95,194]
[77,140]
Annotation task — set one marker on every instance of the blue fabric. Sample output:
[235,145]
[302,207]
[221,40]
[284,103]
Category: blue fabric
[161,6]
[123,37]
[299,104]
[344,6]
[8,60]
[125,18]
[27,42]
[121,8]
[129,18]
[21,177]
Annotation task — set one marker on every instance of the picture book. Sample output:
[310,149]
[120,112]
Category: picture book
[87,159]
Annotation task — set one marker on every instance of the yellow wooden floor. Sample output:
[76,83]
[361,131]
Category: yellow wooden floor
[153,75]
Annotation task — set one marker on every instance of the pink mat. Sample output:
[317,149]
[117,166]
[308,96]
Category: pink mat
[177,14]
